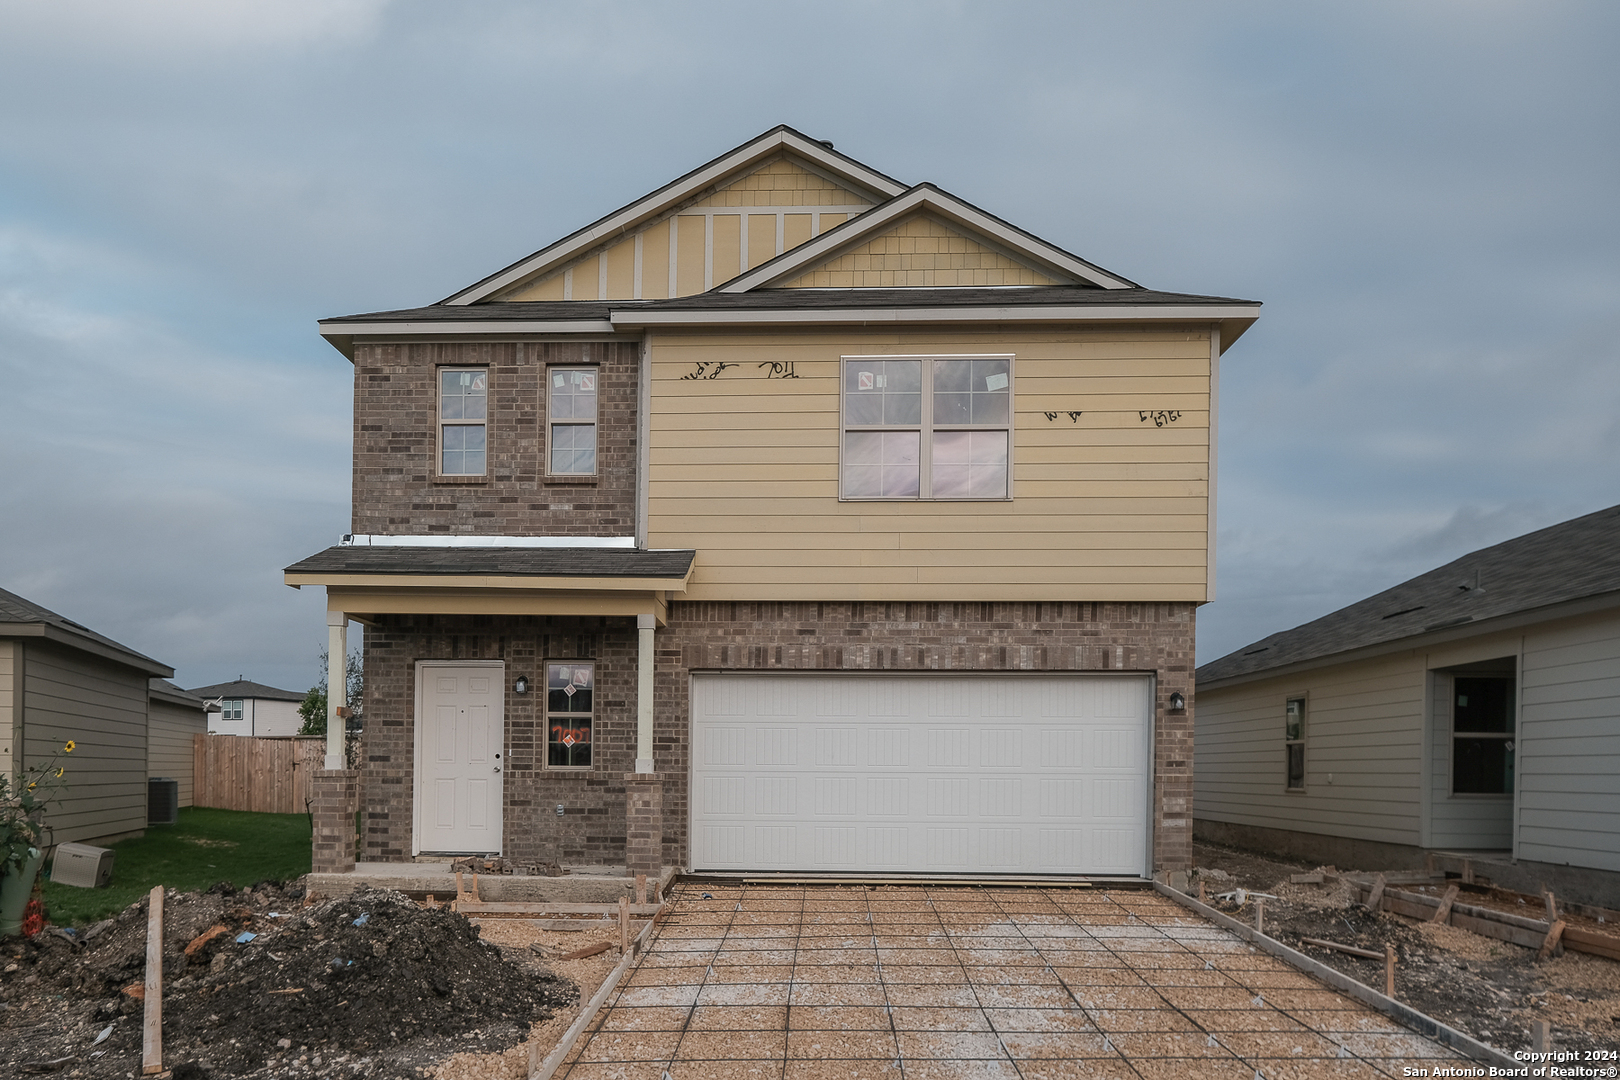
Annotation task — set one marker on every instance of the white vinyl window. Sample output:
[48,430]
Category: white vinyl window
[571,422]
[230,709]
[926,427]
[1294,742]
[463,416]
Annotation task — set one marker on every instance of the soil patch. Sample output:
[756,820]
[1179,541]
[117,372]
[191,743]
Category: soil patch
[1486,988]
[366,985]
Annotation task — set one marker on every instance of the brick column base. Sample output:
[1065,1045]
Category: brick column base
[644,824]
[332,798]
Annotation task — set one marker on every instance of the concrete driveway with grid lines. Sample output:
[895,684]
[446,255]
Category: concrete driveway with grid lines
[924,981]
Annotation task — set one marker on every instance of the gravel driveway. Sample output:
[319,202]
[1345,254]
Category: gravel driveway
[922,981]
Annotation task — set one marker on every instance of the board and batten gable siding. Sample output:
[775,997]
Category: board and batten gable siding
[102,707]
[171,752]
[1363,726]
[1106,505]
[737,226]
[1569,744]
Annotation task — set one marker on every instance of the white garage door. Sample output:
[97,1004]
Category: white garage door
[1007,774]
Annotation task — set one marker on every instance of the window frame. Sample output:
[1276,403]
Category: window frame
[230,709]
[925,428]
[1300,741]
[552,424]
[546,714]
[440,422]
[1510,736]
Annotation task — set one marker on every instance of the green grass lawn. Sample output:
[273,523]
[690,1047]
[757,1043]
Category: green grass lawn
[206,847]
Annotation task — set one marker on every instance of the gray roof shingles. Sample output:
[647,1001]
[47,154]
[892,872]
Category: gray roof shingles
[244,688]
[15,609]
[789,299]
[498,561]
[1574,560]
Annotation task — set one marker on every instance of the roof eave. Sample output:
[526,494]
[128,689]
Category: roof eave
[60,636]
[1234,318]
[1512,620]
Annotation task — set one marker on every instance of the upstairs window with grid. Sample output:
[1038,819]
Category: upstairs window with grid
[926,428]
[463,419]
[571,422]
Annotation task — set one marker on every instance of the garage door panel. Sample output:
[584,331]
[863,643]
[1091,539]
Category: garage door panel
[959,774]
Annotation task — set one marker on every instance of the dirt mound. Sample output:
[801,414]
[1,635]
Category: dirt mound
[258,984]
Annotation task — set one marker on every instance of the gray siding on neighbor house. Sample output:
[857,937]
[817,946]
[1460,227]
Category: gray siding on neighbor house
[101,706]
[1569,739]
[9,710]
[171,751]
[1363,750]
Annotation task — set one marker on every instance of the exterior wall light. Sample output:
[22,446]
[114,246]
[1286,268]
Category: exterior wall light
[1178,703]
[521,686]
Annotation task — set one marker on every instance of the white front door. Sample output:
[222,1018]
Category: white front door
[916,773]
[460,723]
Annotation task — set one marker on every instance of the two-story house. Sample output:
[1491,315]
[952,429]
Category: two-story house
[791,518]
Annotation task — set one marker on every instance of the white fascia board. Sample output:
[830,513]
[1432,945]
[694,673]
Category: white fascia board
[379,540]
[1020,313]
[826,245]
[660,200]
[471,326]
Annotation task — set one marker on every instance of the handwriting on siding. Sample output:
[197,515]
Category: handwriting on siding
[1160,417]
[779,369]
[1074,417]
[706,369]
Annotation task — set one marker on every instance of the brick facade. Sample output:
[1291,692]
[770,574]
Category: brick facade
[331,811]
[592,829]
[396,487]
[1152,638]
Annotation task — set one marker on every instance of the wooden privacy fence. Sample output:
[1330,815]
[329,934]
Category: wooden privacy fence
[268,775]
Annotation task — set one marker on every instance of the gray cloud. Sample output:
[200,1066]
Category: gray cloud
[1421,194]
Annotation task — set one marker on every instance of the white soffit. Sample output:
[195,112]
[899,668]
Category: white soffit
[621,222]
[923,197]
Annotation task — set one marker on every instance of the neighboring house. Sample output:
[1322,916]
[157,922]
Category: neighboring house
[790,518]
[174,718]
[1474,708]
[250,708]
[61,681]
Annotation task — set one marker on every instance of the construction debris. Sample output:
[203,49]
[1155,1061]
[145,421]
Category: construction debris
[366,985]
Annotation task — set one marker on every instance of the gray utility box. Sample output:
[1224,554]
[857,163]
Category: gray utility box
[82,865]
[162,801]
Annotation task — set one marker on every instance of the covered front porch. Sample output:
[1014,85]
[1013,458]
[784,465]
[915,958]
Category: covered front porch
[509,705]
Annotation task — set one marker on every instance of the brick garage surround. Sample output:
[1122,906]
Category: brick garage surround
[592,832]
[396,489]
[1152,638]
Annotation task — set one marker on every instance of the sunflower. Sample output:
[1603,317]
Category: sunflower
[60,771]
[70,747]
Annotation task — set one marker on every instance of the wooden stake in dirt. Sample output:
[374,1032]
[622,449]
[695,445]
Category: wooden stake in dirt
[624,925]
[1552,905]
[1442,914]
[1553,944]
[1202,897]
[1389,971]
[1260,915]
[1428,864]
[1351,949]
[152,1032]
[1540,1036]
[641,888]
[1467,872]
[1375,900]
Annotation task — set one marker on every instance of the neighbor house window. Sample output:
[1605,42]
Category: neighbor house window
[1482,736]
[569,687]
[571,422]
[230,710]
[1294,742]
[463,415]
[926,428]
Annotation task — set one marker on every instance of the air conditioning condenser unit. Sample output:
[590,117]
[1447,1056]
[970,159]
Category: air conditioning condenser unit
[82,865]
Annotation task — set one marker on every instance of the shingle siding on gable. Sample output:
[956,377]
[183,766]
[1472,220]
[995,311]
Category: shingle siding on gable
[396,487]
[920,253]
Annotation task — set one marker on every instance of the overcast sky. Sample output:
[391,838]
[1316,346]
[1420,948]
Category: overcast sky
[1426,197]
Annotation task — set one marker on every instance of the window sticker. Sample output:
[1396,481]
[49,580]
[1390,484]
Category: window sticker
[996,382]
[587,380]
[865,380]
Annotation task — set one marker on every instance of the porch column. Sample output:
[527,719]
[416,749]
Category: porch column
[337,686]
[644,693]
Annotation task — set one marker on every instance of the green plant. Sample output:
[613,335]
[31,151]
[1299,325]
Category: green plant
[23,799]
[313,708]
